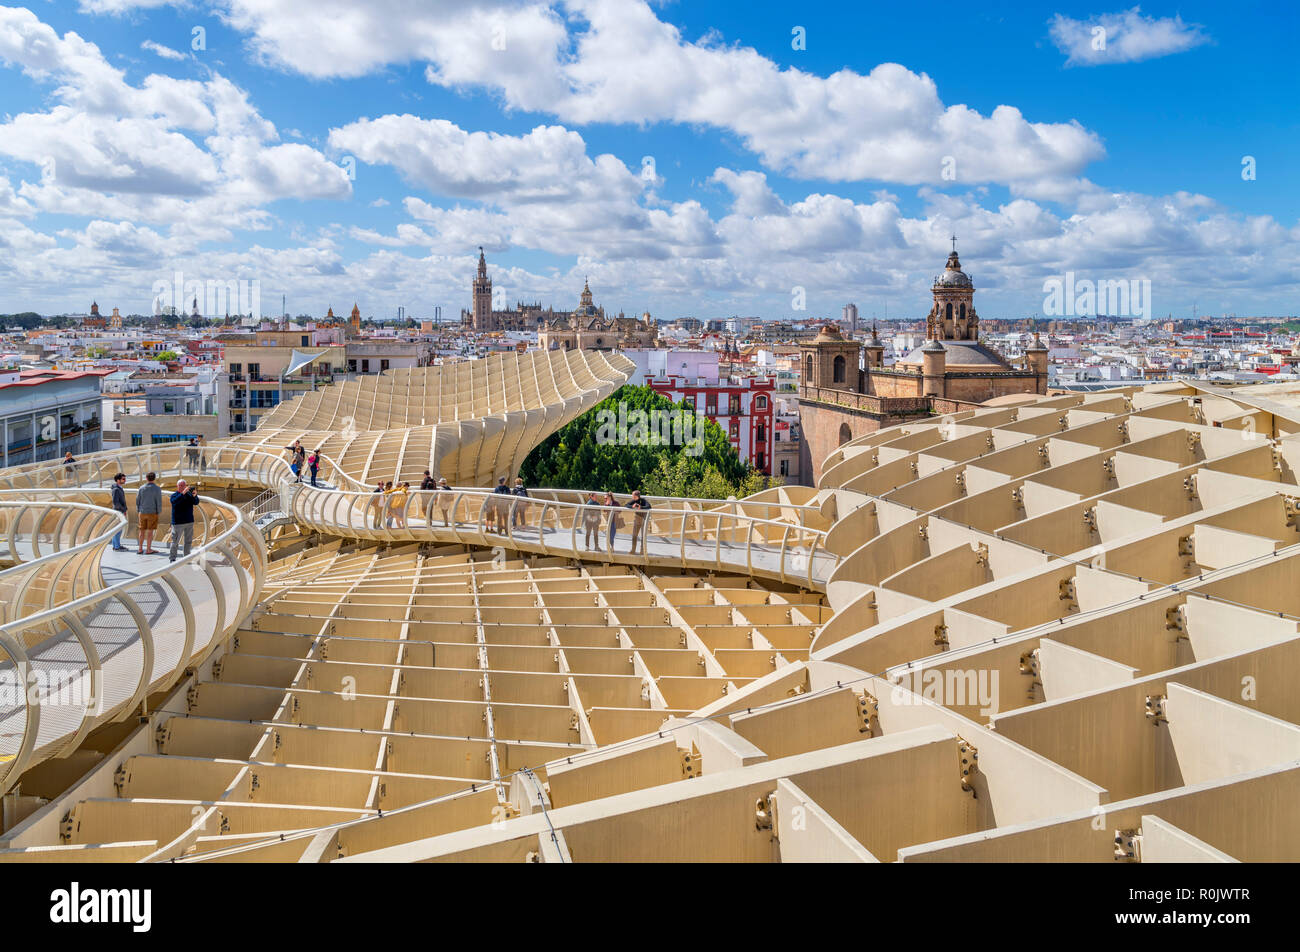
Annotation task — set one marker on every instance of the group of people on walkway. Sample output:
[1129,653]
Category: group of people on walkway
[595,508]
[390,499]
[300,462]
[505,509]
[388,504]
[148,509]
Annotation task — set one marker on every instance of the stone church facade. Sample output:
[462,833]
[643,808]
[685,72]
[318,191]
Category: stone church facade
[846,391]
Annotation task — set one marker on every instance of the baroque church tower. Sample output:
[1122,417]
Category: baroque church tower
[953,315]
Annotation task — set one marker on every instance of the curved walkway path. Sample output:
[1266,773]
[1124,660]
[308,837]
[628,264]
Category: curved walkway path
[88,634]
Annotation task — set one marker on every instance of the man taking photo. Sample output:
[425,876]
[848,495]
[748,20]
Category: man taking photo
[183,502]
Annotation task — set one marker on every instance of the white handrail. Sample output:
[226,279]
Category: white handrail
[69,617]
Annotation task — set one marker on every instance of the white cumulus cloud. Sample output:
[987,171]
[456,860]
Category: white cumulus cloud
[1126,37]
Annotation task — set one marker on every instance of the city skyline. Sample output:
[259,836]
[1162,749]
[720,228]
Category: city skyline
[619,142]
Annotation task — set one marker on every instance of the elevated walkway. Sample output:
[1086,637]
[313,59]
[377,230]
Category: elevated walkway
[774,540]
[89,634]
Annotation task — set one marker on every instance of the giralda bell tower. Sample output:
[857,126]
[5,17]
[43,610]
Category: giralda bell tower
[482,296]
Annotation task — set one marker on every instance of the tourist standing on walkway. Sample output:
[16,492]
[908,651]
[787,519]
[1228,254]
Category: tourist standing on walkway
[502,505]
[383,505]
[69,469]
[444,499]
[639,506]
[615,518]
[376,504]
[591,520]
[397,505]
[521,508]
[192,453]
[119,505]
[183,502]
[489,512]
[148,504]
[313,463]
[427,485]
[295,460]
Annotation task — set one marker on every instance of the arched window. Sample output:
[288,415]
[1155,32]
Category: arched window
[760,402]
[947,311]
[839,369]
[807,371]
[963,312]
[845,434]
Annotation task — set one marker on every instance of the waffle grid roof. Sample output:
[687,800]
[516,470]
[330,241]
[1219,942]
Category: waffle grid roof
[1060,630]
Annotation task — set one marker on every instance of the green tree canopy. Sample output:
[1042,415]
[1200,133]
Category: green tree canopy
[167,355]
[616,447]
[27,320]
[674,477]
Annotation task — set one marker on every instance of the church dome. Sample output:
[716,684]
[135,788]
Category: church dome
[953,276]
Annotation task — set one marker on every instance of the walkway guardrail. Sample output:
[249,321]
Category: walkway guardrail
[716,539]
[773,539]
[76,664]
[52,549]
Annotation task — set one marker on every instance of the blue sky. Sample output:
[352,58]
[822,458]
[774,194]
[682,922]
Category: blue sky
[336,151]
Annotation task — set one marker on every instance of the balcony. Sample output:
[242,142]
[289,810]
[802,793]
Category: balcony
[320,380]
